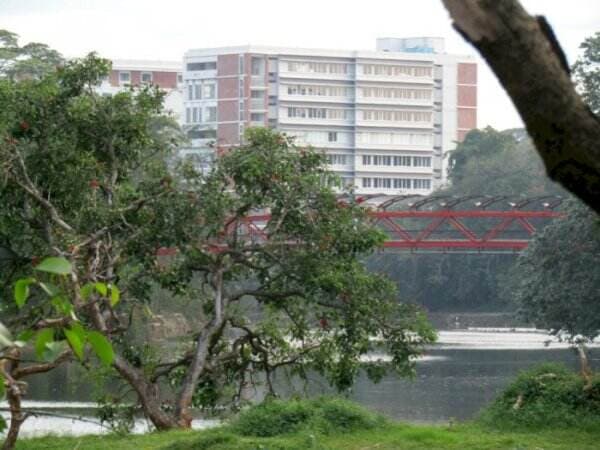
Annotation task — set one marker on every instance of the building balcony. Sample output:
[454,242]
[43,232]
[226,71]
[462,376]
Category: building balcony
[394,124]
[393,101]
[426,149]
[316,75]
[393,170]
[258,105]
[395,79]
[285,97]
[312,122]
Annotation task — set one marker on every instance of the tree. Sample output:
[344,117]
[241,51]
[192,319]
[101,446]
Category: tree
[33,60]
[86,178]
[587,72]
[556,282]
[564,129]
[487,163]
[478,147]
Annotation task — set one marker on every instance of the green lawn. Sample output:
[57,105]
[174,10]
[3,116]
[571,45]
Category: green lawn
[395,436]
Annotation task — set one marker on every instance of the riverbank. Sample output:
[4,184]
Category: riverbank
[394,436]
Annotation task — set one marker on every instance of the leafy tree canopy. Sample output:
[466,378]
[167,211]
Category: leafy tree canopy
[85,177]
[33,60]
[491,162]
[556,282]
[586,71]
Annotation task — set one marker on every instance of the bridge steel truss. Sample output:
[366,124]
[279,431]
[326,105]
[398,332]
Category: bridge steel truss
[445,224]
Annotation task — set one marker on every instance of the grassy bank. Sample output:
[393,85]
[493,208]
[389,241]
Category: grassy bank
[394,436]
[333,423]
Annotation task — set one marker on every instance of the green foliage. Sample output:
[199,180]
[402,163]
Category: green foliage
[556,281]
[119,417]
[32,60]
[95,178]
[547,396]
[59,266]
[326,415]
[491,162]
[75,334]
[101,346]
[586,71]
[487,163]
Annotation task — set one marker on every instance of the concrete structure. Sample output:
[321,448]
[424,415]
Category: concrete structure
[384,118]
[165,74]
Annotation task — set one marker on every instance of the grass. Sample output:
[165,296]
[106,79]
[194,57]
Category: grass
[333,423]
[386,437]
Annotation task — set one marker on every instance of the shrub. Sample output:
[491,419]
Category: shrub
[321,415]
[549,395]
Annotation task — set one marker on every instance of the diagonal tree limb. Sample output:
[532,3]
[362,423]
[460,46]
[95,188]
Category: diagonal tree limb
[525,56]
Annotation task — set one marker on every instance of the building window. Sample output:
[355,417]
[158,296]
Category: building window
[179,78]
[197,91]
[196,115]
[257,117]
[190,90]
[208,90]
[241,64]
[419,183]
[146,77]
[332,136]
[402,161]
[337,160]
[366,182]
[401,183]
[196,67]
[202,134]
[124,77]
[188,115]
[422,161]
[211,114]
[258,66]
[256,94]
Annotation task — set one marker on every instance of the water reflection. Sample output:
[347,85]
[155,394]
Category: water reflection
[457,377]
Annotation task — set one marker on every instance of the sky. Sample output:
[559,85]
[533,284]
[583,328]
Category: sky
[164,30]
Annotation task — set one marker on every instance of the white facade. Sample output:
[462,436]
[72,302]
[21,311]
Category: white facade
[384,118]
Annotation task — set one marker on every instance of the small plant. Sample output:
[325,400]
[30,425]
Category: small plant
[322,415]
[549,395]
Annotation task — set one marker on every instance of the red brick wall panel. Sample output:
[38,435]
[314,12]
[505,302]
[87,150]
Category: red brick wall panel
[467,118]
[467,73]
[228,111]
[114,78]
[165,80]
[467,96]
[461,135]
[228,87]
[227,65]
[228,134]
[135,77]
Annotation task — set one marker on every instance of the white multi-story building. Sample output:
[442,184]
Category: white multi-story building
[384,118]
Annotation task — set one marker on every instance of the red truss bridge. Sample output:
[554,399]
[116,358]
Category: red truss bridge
[444,224]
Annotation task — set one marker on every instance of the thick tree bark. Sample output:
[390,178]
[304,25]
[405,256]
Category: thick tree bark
[13,396]
[526,58]
[148,394]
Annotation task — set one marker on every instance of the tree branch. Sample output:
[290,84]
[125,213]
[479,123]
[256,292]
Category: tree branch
[525,56]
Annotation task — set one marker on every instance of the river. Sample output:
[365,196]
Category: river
[457,377]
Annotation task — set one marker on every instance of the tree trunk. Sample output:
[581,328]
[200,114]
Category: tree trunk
[13,396]
[586,370]
[148,395]
[203,342]
[525,56]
